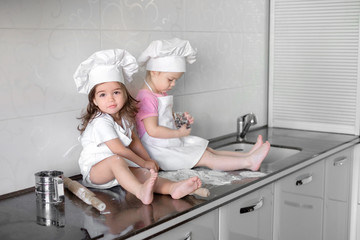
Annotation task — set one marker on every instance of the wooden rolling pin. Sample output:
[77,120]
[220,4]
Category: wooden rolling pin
[84,194]
[202,192]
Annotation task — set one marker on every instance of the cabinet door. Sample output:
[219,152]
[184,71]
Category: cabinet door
[337,190]
[205,227]
[336,220]
[249,217]
[299,217]
[299,204]
[338,176]
[308,181]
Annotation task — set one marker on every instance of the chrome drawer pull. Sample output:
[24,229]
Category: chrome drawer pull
[304,181]
[340,161]
[252,208]
[188,236]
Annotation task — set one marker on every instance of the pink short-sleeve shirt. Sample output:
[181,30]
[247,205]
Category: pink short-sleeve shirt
[148,107]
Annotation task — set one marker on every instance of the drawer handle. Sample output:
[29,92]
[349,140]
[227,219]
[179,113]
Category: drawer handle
[252,208]
[304,181]
[340,161]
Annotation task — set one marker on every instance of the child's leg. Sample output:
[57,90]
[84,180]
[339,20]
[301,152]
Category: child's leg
[177,190]
[116,167]
[228,162]
[164,186]
[256,146]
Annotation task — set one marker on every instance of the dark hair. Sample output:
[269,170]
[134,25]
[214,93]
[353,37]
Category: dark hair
[128,111]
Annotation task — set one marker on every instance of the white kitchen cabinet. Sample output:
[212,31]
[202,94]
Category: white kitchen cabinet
[314,203]
[205,227]
[300,217]
[298,210]
[336,220]
[337,196]
[308,181]
[338,173]
[249,217]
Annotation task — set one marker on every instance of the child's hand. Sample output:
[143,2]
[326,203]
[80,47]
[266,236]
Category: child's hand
[184,131]
[151,164]
[189,118]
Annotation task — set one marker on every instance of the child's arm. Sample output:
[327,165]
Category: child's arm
[116,146]
[137,147]
[156,131]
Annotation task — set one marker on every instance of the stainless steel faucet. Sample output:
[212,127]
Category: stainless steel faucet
[243,125]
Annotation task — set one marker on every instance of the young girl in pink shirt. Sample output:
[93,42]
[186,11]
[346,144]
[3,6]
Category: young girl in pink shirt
[174,148]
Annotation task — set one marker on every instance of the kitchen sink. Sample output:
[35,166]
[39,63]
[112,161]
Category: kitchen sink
[276,153]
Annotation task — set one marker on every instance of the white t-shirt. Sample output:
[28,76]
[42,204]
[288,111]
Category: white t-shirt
[100,130]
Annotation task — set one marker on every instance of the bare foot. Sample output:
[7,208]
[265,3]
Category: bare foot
[145,193]
[259,143]
[259,155]
[185,187]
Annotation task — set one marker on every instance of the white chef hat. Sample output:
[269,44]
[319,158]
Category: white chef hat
[168,55]
[113,65]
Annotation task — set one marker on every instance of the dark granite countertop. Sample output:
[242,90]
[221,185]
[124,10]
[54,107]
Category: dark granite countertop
[125,216]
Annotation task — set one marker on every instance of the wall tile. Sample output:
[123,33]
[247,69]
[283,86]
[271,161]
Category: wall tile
[255,16]
[216,112]
[142,15]
[35,144]
[255,57]
[226,15]
[211,15]
[37,77]
[65,14]
[219,64]
[226,60]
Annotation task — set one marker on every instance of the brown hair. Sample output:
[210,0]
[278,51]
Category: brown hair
[128,111]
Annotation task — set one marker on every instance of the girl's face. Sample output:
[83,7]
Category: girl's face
[110,97]
[164,81]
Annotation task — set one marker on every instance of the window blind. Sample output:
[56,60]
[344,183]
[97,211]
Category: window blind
[314,65]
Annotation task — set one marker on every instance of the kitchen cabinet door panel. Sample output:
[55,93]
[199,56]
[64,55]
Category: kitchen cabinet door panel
[308,181]
[336,220]
[300,217]
[249,217]
[338,176]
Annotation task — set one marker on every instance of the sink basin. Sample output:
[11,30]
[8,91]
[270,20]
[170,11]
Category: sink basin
[275,154]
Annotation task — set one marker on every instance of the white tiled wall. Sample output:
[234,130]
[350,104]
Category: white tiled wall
[43,41]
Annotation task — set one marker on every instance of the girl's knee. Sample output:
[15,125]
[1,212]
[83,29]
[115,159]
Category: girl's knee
[205,160]
[210,150]
[116,159]
[208,154]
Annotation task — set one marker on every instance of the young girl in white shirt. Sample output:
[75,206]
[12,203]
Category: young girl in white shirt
[112,153]
[174,148]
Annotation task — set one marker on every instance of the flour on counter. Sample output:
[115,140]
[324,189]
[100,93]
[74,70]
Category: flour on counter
[250,174]
[208,176]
